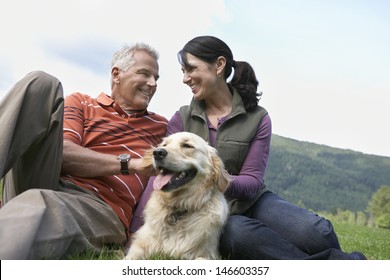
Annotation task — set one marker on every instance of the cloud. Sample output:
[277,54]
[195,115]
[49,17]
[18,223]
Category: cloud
[89,53]
[323,66]
[73,39]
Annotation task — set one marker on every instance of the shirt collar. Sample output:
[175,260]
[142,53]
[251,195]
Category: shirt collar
[105,100]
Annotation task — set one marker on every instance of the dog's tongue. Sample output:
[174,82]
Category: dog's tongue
[161,181]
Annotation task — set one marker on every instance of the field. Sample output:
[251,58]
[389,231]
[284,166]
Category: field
[373,242]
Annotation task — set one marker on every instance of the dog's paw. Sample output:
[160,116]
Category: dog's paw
[133,257]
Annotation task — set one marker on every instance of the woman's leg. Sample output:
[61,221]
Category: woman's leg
[306,230]
[274,229]
[250,239]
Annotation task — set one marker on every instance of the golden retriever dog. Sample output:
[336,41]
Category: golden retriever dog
[187,210]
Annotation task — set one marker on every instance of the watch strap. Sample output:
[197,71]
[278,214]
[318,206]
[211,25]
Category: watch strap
[124,168]
[124,159]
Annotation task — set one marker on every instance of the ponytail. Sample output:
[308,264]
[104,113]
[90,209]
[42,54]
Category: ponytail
[245,82]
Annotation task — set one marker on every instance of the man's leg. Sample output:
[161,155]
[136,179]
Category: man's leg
[31,136]
[39,223]
[46,224]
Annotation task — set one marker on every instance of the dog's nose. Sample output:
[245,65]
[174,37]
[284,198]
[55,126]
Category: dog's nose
[160,153]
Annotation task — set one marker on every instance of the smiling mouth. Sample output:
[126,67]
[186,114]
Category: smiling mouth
[193,87]
[168,180]
[148,94]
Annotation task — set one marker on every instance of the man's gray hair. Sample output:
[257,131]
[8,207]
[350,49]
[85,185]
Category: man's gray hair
[124,58]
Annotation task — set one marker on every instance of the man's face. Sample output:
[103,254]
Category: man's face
[134,89]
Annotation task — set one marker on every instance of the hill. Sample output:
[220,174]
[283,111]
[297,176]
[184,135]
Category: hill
[323,178]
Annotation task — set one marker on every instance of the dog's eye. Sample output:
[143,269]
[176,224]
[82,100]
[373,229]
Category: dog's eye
[187,146]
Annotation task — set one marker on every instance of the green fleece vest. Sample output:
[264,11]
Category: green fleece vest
[233,136]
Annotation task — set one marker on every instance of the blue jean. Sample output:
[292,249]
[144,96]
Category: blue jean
[275,229]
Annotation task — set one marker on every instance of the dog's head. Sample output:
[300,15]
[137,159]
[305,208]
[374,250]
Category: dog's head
[183,158]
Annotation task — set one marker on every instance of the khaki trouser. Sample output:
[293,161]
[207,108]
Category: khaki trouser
[42,217]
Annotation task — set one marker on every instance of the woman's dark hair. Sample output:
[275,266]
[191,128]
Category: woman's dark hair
[208,49]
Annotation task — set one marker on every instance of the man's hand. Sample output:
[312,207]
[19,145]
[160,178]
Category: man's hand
[83,162]
[137,165]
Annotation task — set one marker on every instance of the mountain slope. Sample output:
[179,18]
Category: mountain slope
[324,178]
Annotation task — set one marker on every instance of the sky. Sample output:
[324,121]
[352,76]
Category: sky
[323,65]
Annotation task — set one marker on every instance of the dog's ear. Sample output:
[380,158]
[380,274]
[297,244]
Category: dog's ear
[220,176]
[147,163]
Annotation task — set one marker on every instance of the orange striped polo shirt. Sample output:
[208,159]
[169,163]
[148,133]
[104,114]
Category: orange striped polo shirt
[101,125]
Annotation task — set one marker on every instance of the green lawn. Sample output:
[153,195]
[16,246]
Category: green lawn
[373,242]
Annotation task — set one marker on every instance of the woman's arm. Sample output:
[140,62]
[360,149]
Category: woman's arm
[251,177]
[175,124]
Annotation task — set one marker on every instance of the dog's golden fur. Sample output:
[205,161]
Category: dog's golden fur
[185,216]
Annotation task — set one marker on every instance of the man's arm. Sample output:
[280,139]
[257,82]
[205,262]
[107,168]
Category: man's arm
[83,162]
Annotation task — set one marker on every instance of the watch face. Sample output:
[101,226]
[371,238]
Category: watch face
[124,157]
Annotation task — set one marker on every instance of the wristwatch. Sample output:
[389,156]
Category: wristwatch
[124,159]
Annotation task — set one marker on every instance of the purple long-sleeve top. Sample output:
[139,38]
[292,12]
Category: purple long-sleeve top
[246,184]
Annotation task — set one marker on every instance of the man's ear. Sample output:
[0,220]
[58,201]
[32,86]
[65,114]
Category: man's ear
[115,75]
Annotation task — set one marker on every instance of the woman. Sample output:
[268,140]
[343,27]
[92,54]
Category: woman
[226,114]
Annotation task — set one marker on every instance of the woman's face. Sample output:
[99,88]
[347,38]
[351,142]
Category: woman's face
[200,76]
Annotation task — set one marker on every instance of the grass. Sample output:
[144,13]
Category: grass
[372,242]
[105,254]
[109,254]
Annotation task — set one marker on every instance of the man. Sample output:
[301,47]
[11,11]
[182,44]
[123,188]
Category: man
[72,169]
